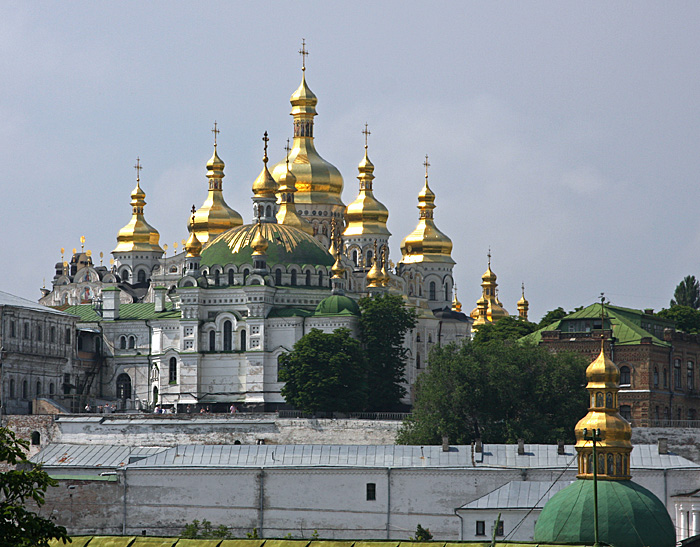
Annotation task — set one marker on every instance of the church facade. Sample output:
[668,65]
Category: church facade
[207,326]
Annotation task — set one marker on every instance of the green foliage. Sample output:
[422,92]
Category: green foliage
[422,534]
[687,293]
[507,328]
[20,487]
[253,534]
[205,530]
[383,324]
[325,372]
[686,318]
[552,316]
[497,392]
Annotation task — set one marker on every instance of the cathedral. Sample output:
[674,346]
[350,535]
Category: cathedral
[206,326]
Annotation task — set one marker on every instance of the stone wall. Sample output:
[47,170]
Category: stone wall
[682,441]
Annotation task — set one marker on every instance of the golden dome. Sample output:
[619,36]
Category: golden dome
[287,213]
[374,275]
[456,304]
[138,235]
[264,186]
[317,181]
[338,269]
[489,295]
[259,243]
[426,243]
[523,305]
[366,215]
[193,246]
[215,216]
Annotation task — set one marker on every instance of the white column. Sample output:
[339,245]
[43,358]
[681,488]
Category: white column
[682,525]
[694,520]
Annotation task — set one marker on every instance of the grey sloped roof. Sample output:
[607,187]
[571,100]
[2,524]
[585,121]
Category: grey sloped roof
[494,456]
[91,455]
[7,299]
[518,495]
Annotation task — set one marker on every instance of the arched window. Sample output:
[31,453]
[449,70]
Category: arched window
[431,294]
[125,275]
[12,388]
[608,400]
[24,389]
[36,438]
[665,377]
[230,277]
[354,257]
[418,337]
[294,278]
[626,412]
[228,339]
[244,345]
[52,389]
[212,340]
[132,342]
[38,388]
[447,293]
[417,360]
[268,211]
[625,376]
[278,277]
[368,263]
[611,464]
[217,277]
[691,376]
[172,371]
[246,272]
[52,335]
[308,278]
[656,377]
[320,279]
[430,338]
[141,276]
[123,386]
[599,399]
[677,374]
[155,395]
[601,464]
[618,465]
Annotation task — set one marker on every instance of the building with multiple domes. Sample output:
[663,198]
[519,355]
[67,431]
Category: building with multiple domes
[208,325]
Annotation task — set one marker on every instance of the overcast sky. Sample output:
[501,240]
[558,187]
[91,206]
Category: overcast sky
[564,135]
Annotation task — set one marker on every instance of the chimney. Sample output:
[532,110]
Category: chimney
[560,448]
[479,446]
[521,447]
[110,303]
[663,445]
[160,298]
[445,443]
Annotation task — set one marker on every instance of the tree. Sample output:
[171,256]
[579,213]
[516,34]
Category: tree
[687,293]
[551,316]
[507,328]
[20,487]
[325,372]
[193,530]
[686,318]
[499,393]
[384,322]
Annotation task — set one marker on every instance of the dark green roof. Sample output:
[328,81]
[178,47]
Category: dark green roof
[629,326]
[337,304]
[628,516]
[288,312]
[140,310]
[286,245]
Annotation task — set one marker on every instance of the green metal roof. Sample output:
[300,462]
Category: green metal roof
[136,311]
[288,312]
[626,324]
[337,304]
[628,516]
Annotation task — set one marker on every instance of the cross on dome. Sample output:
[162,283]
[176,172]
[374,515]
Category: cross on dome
[303,52]
[366,132]
[216,133]
[138,168]
[426,164]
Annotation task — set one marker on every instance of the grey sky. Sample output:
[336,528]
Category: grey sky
[564,135]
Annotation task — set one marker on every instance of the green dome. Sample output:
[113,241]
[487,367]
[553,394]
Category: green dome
[628,516]
[337,304]
[286,245]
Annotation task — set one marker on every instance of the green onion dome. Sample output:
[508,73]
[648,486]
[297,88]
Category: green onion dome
[337,304]
[286,245]
[628,516]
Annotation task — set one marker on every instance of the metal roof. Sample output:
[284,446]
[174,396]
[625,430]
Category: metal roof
[92,455]
[518,495]
[494,456]
[7,299]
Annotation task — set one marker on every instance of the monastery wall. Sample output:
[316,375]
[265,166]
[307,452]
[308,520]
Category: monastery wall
[684,441]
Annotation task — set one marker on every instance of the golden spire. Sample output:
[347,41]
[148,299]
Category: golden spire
[374,275]
[366,215]
[193,246]
[426,243]
[456,304]
[259,242]
[489,295]
[264,186]
[332,248]
[385,274]
[613,432]
[287,213]
[523,305]
[318,182]
[138,235]
[215,216]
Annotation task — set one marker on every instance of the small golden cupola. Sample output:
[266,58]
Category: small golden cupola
[456,304]
[523,305]
[489,296]
[193,247]
[426,243]
[138,235]
[613,432]
[287,213]
[319,183]
[265,192]
[366,215]
[215,216]
[374,275]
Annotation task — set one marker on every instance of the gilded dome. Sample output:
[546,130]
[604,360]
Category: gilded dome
[193,246]
[426,243]
[259,242]
[317,181]
[138,235]
[366,215]
[215,216]
[288,213]
[489,299]
[286,245]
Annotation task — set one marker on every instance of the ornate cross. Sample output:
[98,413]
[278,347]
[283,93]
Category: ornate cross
[265,140]
[303,52]
[426,164]
[138,168]
[216,133]
[288,149]
[366,132]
